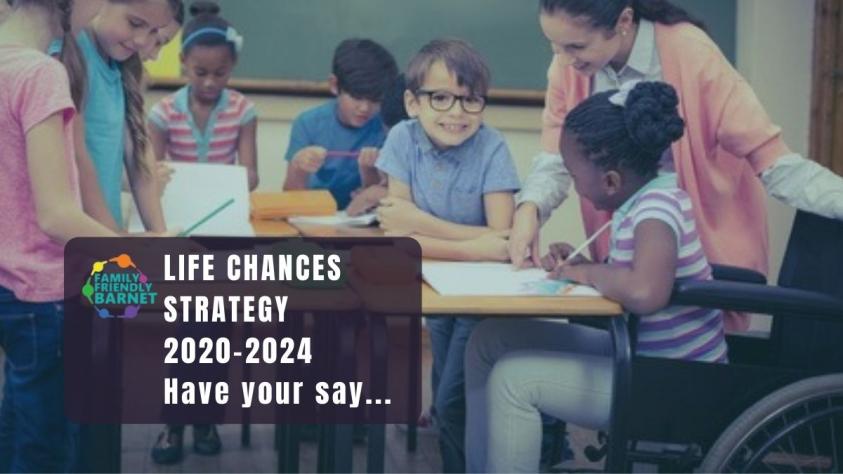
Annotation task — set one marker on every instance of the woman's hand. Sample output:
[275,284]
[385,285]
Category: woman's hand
[524,238]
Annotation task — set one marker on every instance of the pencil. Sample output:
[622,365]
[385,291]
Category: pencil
[588,241]
[342,154]
[206,218]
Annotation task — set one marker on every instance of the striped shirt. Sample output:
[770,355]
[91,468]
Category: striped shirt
[218,142]
[674,332]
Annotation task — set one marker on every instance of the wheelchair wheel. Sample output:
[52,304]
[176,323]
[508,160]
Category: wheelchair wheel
[798,428]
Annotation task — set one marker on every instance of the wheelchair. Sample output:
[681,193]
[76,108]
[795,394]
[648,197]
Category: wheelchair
[777,406]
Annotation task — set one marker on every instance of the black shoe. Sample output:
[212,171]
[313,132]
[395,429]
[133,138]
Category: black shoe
[555,448]
[169,448]
[206,440]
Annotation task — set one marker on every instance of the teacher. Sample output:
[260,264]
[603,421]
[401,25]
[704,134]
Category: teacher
[730,155]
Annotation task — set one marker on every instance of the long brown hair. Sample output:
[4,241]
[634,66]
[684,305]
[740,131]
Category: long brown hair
[71,57]
[132,74]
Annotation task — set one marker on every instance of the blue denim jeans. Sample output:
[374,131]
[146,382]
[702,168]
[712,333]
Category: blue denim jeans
[34,433]
[448,337]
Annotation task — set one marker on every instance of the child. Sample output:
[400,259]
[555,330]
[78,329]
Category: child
[41,210]
[451,185]
[361,72]
[392,112]
[205,121]
[515,369]
[165,35]
[119,31]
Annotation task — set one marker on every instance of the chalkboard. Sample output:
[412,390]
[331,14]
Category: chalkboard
[294,40]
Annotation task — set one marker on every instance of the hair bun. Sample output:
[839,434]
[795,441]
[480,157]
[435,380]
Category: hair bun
[651,116]
[201,7]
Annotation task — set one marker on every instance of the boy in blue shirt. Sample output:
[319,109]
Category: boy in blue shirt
[333,146]
[451,184]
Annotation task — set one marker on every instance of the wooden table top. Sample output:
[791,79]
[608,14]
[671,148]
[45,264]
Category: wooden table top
[434,303]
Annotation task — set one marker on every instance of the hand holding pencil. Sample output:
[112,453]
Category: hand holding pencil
[310,159]
[562,259]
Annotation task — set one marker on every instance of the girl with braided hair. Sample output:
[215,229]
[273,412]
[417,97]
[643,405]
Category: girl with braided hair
[516,369]
[119,32]
[41,210]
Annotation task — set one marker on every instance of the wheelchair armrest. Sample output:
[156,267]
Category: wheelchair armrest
[754,298]
[730,273]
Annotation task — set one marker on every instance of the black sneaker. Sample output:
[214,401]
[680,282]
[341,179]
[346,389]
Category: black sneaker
[169,448]
[206,440]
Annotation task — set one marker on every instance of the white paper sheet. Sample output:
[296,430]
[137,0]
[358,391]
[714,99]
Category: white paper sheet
[496,279]
[338,219]
[195,190]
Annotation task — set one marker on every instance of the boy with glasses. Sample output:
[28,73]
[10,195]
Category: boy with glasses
[451,185]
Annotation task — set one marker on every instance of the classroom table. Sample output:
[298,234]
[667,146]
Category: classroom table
[526,307]
[273,228]
[481,306]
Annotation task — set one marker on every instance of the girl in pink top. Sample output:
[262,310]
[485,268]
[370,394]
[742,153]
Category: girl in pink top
[730,155]
[41,209]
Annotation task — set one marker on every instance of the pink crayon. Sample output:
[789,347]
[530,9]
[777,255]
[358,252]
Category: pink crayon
[342,154]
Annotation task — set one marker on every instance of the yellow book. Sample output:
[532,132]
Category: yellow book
[280,205]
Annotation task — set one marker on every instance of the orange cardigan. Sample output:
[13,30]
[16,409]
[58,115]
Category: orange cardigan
[729,140]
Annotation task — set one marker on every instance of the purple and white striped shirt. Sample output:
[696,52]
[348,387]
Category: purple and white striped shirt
[675,332]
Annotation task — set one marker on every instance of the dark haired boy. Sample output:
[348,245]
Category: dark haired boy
[329,144]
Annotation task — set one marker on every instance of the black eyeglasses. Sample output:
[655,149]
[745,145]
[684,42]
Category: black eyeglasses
[442,101]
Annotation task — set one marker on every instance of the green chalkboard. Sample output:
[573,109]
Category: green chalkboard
[295,39]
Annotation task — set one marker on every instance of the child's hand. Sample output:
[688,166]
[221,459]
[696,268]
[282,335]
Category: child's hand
[577,272]
[163,175]
[491,247]
[310,159]
[367,157]
[172,232]
[558,254]
[398,216]
[366,200]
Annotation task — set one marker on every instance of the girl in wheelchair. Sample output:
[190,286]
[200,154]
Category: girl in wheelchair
[614,144]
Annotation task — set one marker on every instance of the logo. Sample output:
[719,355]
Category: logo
[118,282]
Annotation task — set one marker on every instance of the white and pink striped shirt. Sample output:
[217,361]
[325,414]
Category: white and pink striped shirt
[674,332]
[218,142]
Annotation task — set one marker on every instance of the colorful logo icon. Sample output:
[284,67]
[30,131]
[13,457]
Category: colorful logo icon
[118,282]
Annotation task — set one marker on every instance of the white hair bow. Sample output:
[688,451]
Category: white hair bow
[234,38]
[619,97]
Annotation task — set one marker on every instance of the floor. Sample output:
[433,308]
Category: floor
[261,456]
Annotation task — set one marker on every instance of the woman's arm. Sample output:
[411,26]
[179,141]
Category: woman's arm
[646,286]
[92,198]
[247,151]
[745,129]
[805,185]
[58,213]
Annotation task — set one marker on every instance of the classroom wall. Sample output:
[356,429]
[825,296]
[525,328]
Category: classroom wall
[774,44]
[774,53]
